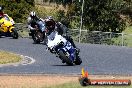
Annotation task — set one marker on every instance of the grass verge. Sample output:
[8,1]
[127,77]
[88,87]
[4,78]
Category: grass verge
[128,36]
[7,57]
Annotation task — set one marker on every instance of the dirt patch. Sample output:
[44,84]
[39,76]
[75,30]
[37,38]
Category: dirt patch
[42,81]
[34,81]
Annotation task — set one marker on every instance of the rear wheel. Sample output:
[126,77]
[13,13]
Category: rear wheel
[0,34]
[45,38]
[14,33]
[65,58]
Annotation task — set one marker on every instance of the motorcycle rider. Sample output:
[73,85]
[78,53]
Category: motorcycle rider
[61,29]
[34,20]
[1,12]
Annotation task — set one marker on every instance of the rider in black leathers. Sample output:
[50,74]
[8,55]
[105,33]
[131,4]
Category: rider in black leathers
[34,20]
[1,12]
[61,29]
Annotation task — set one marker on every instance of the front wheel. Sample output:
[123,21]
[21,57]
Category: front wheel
[35,37]
[14,33]
[78,61]
[65,58]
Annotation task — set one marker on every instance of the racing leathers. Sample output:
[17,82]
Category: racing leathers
[33,22]
[64,31]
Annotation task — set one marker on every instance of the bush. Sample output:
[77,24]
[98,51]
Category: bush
[17,9]
[100,15]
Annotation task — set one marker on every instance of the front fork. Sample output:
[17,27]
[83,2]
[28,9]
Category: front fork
[70,54]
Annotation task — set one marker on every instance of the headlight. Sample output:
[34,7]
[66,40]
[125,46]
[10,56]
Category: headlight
[12,22]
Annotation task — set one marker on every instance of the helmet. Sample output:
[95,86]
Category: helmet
[50,23]
[32,14]
[49,18]
[1,12]
[1,16]
[1,8]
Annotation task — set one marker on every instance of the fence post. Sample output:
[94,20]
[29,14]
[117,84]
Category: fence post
[122,42]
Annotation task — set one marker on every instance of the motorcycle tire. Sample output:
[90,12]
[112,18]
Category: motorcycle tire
[65,58]
[14,34]
[45,39]
[35,38]
[36,41]
[0,34]
[78,61]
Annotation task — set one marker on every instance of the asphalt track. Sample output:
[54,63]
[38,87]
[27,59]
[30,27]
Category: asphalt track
[97,59]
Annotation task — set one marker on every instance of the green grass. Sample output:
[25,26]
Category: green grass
[77,85]
[23,33]
[128,30]
[128,36]
[7,57]
[44,11]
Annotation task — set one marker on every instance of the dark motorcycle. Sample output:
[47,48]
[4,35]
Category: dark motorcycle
[37,35]
[63,49]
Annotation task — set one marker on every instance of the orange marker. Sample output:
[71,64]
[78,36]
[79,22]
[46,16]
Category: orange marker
[85,81]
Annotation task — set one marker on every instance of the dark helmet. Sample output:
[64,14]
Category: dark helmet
[50,23]
[1,16]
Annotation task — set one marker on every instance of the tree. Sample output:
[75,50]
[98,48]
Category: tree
[100,15]
[17,9]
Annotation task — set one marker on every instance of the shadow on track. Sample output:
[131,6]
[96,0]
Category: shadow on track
[61,65]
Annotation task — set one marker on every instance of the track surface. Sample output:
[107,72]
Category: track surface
[97,59]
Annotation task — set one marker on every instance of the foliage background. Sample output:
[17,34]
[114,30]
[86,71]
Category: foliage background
[17,9]
[99,15]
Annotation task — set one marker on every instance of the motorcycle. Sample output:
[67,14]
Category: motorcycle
[63,49]
[37,35]
[7,27]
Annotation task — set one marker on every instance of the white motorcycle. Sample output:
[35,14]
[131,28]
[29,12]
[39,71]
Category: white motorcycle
[63,48]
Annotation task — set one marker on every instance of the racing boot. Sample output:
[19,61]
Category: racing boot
[77,50]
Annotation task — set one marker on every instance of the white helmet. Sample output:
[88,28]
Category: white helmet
[0,8]
[49,18]
[32,14]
